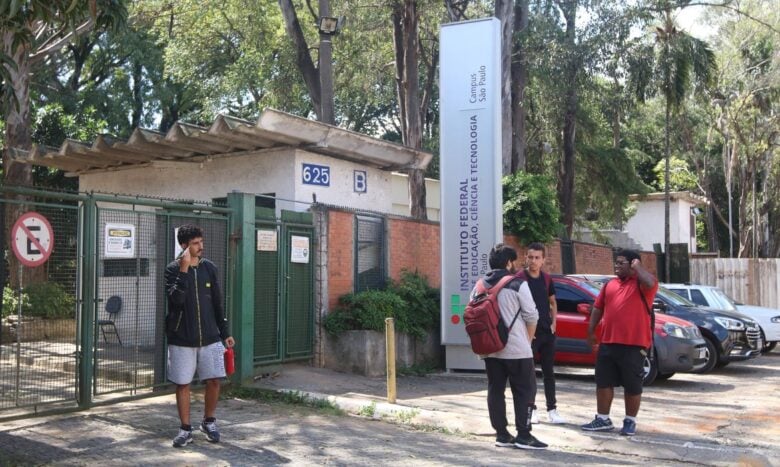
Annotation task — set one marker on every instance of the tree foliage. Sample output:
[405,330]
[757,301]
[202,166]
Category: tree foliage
[530,211]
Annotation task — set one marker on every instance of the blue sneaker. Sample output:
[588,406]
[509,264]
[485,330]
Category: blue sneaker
[210,428]
[629,427]
[599,424]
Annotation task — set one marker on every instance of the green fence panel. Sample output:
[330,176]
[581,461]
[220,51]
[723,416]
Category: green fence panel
[266,329]
[299,318]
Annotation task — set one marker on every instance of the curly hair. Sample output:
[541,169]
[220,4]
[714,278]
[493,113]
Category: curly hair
[187,232]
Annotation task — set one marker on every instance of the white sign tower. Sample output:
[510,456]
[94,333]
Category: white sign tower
[470,168]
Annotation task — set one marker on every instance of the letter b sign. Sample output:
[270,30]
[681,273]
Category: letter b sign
[361,184]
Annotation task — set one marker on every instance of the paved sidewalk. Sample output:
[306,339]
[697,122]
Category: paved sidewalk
[448,411]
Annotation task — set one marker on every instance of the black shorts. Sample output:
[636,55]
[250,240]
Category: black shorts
[620,365]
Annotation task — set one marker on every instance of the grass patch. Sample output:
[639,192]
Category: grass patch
[406,416]
[368,410]
[418,369]
[294,398]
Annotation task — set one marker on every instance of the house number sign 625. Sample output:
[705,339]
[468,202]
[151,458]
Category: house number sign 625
[316,175]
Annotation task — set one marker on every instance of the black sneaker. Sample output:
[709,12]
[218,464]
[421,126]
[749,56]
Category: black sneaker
[210,428]
[505,441]
[529,442]
[183,438]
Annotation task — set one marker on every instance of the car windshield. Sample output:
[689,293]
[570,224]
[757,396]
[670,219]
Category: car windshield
[592,287]
[725,299]
[674,298]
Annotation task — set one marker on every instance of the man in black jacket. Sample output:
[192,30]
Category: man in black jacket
[195,327]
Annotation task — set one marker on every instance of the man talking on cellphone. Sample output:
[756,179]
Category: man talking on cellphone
[196,328]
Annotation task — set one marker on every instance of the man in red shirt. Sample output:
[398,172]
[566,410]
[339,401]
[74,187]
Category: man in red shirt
[626,338]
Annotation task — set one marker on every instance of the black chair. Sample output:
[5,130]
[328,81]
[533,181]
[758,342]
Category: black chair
[113,307]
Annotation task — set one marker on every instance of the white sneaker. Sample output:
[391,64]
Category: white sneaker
[555,417]
[534,418]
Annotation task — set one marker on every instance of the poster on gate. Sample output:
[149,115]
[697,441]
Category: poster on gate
[119,241]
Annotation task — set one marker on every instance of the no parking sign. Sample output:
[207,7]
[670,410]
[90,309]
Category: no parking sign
[32,239]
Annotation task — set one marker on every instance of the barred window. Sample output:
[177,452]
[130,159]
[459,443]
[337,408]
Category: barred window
[369,253]
[125,267]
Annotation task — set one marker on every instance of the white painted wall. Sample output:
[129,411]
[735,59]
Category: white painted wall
[401,196]
[263,172]
[276,171]
[647,225]
[341,191]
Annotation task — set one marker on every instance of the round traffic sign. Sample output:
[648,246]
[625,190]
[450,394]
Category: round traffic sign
[32,239]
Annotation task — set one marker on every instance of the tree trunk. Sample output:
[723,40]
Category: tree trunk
[138,96]
[667,155]
[405,21]
[327,114]
[519,83]
[302,56]
[505,12]
[566,168]
[17,136]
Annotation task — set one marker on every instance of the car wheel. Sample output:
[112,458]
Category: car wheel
[650,369]
[768,346]
[710,358]
[721,364]
[664,376]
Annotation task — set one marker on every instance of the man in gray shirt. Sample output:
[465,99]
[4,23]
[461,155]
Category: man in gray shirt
[515,361]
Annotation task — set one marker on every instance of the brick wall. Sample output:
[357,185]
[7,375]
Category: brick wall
[414,246]
[590,258]
[340,255]
[552,253]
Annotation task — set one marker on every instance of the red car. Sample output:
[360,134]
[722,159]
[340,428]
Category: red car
[678,344]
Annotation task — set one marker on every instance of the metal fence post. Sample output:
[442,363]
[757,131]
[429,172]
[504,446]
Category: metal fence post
[390,351]
[88,301]
[242,235]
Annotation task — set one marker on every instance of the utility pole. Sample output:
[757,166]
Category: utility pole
[326,70]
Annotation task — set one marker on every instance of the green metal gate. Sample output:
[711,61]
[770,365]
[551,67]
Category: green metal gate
[284,287]
[129,344]
[82,316]
[39,338]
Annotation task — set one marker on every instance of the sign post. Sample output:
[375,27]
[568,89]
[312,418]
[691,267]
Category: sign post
[470,169]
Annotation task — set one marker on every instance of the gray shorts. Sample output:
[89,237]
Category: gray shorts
[209,361]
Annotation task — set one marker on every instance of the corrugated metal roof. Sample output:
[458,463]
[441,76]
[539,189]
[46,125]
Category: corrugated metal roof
[225,136]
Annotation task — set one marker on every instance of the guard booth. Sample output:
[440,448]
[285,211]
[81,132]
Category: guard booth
[84,297]
[263,249]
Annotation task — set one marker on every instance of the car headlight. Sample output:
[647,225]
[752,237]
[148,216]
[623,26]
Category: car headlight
[775,319]
[675,330]
[730,324]
[694,332]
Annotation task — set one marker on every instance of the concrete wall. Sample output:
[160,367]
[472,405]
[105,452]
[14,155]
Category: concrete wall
[647,225]
[278,171]
[401,196]
[364,352]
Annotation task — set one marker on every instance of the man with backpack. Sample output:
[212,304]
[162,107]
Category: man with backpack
[515,360]
[543,291]
[623,308]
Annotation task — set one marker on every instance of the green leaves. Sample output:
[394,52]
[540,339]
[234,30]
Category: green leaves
[530,211]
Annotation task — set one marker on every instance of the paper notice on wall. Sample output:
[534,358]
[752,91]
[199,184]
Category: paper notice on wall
[119,241]
[266,240]
[299,249]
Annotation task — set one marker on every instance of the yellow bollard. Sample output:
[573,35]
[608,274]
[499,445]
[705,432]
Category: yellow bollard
[390,351]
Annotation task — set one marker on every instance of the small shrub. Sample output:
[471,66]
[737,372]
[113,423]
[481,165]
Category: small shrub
[411,302]
[43,299]
[422,311]
[364,310]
